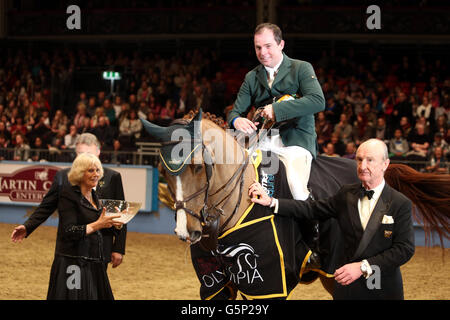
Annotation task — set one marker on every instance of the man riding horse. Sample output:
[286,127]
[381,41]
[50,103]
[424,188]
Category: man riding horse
[279,75]
[276,76]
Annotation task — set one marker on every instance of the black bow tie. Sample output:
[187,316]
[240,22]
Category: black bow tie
[363,192]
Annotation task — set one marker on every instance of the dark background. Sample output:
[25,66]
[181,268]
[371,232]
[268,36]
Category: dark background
[410,53]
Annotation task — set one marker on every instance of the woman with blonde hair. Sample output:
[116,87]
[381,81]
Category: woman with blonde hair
[79,268]
[99,112]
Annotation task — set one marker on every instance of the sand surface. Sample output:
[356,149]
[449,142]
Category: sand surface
[159,267]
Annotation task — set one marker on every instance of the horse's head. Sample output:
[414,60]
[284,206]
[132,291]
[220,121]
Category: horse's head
[189,154]
[186,166]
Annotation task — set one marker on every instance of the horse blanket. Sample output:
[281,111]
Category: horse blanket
[262,256]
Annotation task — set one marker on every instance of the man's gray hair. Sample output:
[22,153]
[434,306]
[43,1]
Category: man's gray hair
[385,150]
[88,139]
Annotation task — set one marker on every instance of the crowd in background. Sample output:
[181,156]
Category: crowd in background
[404,101]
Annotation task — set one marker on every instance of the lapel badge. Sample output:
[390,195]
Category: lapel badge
[101,183]
[387,233]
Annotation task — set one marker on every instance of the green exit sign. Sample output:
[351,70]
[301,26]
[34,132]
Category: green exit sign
[111,75]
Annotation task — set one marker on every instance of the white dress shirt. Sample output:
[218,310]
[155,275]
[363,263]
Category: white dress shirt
[372,203]
[271,71]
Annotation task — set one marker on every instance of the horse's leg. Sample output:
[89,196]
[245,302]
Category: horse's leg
[328,283]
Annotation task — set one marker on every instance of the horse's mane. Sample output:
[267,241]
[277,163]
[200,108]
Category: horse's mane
[219,121]
[429,192]
[205,115]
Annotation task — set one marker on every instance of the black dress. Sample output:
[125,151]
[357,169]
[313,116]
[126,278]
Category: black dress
[109,187]
[79,268]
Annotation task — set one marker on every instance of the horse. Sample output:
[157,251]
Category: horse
[208,173]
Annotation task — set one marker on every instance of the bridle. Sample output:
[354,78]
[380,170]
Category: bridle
[210,215]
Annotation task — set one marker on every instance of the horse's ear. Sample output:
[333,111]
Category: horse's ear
[194,127]
[161,133]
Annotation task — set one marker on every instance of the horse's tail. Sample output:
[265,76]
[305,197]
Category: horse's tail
[430,194]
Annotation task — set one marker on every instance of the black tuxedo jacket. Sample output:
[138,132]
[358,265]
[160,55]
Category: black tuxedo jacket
[109,187]
[386,246]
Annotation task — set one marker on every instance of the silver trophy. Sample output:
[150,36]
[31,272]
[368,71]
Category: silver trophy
[126,209]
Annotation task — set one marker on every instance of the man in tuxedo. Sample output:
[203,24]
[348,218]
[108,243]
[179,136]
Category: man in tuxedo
[276,76]
[376,224]
[109,187]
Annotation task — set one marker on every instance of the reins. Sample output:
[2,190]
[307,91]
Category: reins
[209,216]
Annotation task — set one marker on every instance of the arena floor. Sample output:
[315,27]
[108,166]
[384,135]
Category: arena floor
[158,267]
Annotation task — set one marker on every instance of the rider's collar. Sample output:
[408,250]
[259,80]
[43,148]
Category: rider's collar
[271,71]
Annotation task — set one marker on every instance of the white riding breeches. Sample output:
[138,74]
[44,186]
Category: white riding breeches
[297,161]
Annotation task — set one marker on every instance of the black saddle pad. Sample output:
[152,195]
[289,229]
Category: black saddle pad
[329,174]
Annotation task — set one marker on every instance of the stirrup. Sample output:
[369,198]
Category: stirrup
[313,262]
